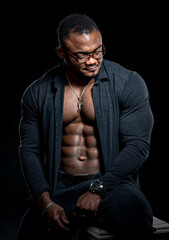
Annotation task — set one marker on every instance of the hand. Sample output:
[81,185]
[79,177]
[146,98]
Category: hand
[54,215]
[56,218]
[87,204]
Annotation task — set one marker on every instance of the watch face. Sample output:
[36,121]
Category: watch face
[96,184]
[97,187]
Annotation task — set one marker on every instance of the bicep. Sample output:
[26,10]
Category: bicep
[136,118]
[29,128]
[136,123]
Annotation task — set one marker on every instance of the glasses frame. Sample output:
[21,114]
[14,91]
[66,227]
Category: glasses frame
[87,54]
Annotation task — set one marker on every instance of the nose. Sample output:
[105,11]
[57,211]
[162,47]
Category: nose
[91,61]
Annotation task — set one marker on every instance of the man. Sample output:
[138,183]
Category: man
[85,131]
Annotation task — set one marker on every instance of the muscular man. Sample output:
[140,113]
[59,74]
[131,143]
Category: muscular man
[85,131]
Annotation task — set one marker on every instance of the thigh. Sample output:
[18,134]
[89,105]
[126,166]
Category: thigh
[125,207]
[31,226]
[66,196]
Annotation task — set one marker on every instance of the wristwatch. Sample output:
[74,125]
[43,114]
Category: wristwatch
[97,187]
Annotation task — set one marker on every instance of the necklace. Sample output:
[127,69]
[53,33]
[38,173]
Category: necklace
[79,103]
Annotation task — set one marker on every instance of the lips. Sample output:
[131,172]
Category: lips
[91,69]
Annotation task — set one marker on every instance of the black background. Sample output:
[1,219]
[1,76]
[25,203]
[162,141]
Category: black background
[136,36]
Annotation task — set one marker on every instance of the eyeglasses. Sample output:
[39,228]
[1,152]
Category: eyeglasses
[82,58]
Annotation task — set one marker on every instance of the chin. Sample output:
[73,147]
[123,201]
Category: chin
[89,75]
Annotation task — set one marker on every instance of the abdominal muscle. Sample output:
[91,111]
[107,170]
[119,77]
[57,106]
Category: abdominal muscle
[80,152]
[80,145]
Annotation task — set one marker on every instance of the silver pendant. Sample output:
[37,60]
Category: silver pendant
[79,104]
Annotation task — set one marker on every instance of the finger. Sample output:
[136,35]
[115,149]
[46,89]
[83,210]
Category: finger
[57,223]
[78,211]
[61,225]
[64,218]
[95,212]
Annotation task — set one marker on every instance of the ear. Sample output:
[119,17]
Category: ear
[60,52]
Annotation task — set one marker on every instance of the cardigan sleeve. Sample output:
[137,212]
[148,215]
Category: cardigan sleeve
[135,127]
[30,149]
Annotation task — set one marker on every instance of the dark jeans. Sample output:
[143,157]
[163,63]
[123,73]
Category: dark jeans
[124,211]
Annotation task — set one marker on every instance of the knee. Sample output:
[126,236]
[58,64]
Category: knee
[127,208]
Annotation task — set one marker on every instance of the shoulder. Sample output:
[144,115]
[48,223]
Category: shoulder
[126,81]
[47,78]
[116,69]
[46,81]
[118,72]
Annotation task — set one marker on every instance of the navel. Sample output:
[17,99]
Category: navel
[82,158]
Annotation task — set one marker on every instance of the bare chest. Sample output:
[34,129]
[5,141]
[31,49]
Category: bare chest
[75,109]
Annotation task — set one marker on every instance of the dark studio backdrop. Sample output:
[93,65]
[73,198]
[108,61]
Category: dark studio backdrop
[134,36]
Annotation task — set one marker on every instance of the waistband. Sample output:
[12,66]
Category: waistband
[75,179]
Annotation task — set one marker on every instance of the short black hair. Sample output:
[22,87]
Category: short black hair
[76,23]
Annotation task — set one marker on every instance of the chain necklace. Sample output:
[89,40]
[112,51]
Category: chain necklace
[79,103]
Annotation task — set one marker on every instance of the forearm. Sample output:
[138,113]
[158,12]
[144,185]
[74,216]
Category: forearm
[33,172]
[31,156]
[126,164]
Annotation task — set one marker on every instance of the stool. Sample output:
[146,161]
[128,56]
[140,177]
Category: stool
[93,233]
[161,231]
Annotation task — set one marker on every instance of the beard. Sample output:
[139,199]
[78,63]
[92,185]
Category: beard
[87,73]
[88,78]
[84,72]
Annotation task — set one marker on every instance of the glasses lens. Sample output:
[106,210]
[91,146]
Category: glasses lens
[95,55]
[85,58]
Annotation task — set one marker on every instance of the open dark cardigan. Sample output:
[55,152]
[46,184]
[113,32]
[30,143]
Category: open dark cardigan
[123,117]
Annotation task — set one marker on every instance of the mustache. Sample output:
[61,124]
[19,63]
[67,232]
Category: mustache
[91,66]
